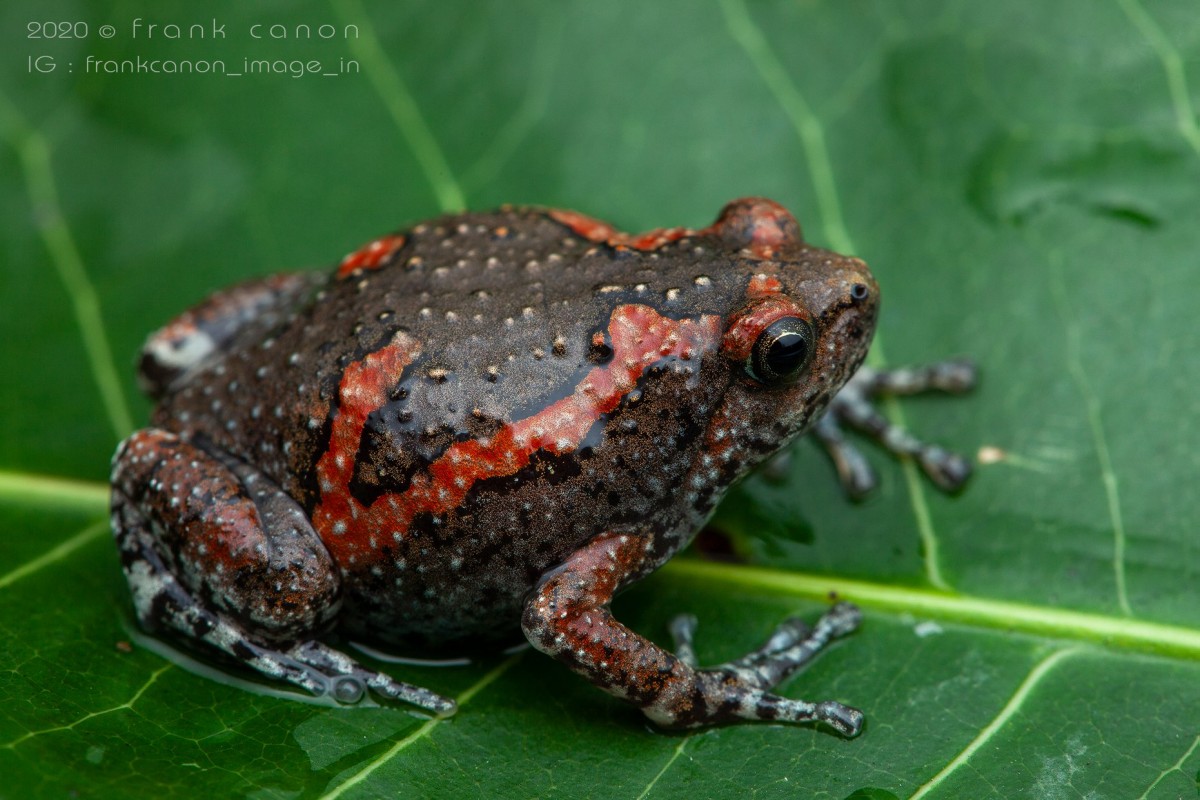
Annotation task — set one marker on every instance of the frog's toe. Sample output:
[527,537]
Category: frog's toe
[949,471]
[953,376]
[350,680]
[683,632]
[793,645]
[855,407]
[727,698]
[846,720]
[853,470]
[389,687]
[785,636]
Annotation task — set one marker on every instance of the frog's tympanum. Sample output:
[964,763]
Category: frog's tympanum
[490,422]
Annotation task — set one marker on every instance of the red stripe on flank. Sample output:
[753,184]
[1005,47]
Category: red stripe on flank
[364,388]
[640,339]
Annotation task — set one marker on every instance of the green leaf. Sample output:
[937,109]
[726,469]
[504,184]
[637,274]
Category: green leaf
[1024,180]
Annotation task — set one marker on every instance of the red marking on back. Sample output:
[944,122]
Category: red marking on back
[364,388]
[758,227]
[371,255]
[640,338]
[597,231]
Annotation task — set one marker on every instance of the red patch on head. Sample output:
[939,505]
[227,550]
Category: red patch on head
[370,256]
[763,286]
[758,225]
[640,338]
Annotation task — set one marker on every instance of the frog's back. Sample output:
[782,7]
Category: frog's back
[503,313]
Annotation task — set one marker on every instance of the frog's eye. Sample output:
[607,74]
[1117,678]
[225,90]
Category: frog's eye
[781,351]
[772,340]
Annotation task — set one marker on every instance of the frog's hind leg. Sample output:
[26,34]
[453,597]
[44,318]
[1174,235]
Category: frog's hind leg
[854,406]
[567,617]
[214,551]
[186,341]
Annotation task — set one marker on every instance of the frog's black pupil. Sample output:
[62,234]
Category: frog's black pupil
[787,352]
[782,350]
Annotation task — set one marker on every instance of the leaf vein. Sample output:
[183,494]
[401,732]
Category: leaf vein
[54,554]
[27,488]
[1059,623]
[33,152]
[1008,712]
[128,704]
[1176,767]
[1172,64]
[670,761]
[806,124]
[421,732]
[398,100]
[1091,403]
[528,113]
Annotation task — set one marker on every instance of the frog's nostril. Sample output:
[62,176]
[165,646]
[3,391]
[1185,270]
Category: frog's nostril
[859,292]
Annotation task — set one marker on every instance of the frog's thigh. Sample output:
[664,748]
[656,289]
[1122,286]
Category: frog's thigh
[214,550]
[195,334]
[567,617]
[209,533]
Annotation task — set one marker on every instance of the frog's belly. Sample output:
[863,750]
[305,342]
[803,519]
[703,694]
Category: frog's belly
[445,597]
[452,619]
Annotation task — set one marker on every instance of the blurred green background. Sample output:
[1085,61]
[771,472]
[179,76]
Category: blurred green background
[1023,178]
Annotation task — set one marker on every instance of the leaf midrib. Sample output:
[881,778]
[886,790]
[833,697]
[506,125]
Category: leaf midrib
[1119,632]
[1114,631]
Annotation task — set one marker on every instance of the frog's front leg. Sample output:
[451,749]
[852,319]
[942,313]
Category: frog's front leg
[854,406]
[567,617]
[213,550]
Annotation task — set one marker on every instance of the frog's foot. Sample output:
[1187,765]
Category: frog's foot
[352,679]
[854,406]
[216,553]
[793,644]
[567,617]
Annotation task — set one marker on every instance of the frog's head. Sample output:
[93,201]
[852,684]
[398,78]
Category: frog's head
[798,331]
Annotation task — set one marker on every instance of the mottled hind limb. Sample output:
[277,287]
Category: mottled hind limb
[567,617]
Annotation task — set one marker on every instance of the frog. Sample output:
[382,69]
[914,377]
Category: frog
[489,424]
